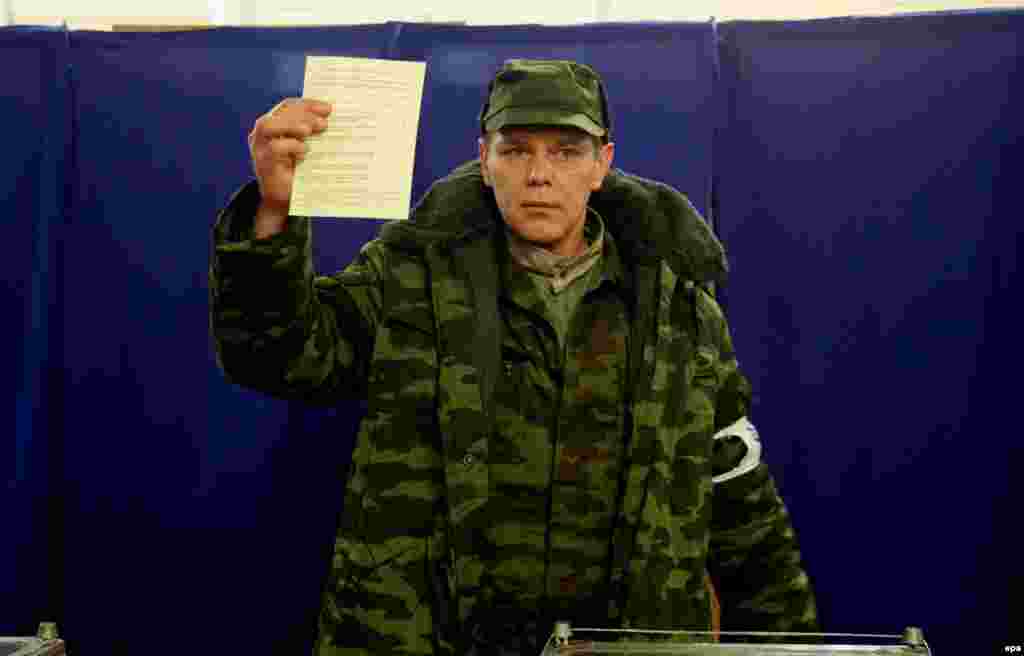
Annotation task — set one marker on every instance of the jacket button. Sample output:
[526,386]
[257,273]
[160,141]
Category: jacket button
[468,460]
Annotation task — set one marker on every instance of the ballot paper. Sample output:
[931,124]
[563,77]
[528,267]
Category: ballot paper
[361,165]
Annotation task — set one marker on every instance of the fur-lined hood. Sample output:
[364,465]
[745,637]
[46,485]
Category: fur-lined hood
[647,219]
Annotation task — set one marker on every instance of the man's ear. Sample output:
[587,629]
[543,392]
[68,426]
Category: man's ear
[604,157]
[482,145]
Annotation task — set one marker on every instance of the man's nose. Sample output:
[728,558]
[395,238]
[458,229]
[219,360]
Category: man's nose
[539,171]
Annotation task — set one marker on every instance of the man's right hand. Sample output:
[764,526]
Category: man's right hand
[277,145]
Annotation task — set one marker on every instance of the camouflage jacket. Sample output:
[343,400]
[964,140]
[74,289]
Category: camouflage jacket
[412,325]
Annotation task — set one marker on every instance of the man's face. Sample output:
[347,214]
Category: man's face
[542,178]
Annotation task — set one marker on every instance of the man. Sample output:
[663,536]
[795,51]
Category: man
[547,378]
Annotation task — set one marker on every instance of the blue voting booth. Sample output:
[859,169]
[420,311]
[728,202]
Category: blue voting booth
[862,174]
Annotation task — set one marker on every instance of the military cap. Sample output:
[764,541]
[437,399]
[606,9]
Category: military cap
[546,92]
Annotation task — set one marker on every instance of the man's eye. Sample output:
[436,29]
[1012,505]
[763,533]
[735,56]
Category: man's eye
[568,152]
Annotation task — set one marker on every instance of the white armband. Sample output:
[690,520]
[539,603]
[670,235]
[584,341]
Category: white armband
[743,429]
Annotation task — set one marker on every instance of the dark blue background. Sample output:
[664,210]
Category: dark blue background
[859,171]
[35,105]
[866,183]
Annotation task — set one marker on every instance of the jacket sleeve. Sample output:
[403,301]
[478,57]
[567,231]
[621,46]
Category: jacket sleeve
[754,559]
[276,327]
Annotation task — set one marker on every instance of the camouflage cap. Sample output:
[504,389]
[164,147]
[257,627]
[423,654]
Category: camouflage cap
[546,92]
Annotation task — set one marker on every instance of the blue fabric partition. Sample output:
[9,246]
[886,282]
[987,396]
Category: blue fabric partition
[200,516]
[34,104]
[861,173]
[868,177]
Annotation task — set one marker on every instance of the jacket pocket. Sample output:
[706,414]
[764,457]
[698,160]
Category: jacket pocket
[414,319]
[404,369]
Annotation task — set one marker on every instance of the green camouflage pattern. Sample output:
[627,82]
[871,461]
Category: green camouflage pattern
[545,92]
[499,482]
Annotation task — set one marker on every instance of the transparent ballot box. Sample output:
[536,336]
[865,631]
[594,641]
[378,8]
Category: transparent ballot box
[44,643]
[568,640]
[31,647]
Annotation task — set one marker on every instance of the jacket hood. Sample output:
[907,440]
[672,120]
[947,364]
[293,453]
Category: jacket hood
[648,220]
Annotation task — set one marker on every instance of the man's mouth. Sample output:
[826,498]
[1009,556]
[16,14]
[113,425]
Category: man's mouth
[549,206]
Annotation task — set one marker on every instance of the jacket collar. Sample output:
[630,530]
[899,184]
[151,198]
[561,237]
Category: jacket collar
[648,220]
